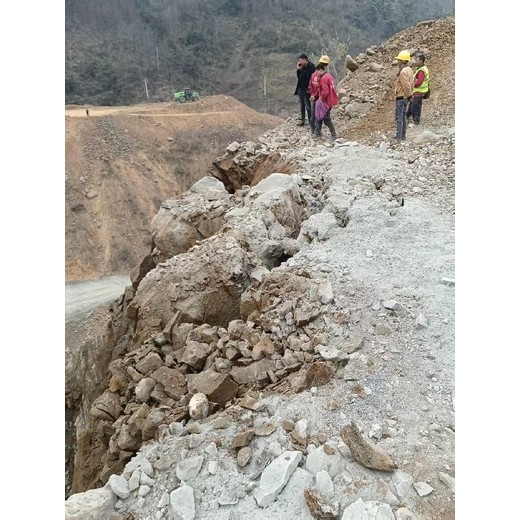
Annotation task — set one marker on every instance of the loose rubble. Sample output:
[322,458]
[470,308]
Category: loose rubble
[260,346]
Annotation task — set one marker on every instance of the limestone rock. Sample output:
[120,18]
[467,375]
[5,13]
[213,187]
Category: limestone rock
[319,460]
[324,484]
[421,322]
[189,468]
[299,434]
[144,389]
[182,503]
[369,510]
[90,505]
[423,489]
[119,486]
[448,480]
[275,477]
[198,407]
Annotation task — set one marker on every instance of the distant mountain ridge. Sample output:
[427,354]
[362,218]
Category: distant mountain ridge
[117,53]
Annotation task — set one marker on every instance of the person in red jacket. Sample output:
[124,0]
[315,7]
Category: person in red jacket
[314,90]
[327,94]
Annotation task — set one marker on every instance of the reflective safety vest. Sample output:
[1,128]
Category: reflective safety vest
[426,82]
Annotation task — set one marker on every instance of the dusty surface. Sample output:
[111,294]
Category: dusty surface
[401,382]
[122,162]
[82,297]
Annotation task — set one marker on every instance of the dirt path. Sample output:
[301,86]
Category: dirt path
[82,297]
[98,113]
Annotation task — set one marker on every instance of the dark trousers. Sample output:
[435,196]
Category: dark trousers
[312,120]
[328,124]
[305,103]
[414,109]
[400,118]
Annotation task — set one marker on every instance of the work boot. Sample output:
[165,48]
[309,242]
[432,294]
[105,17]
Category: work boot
[302,123]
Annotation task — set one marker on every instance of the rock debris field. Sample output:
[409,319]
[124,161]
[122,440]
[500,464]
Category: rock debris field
[286,350]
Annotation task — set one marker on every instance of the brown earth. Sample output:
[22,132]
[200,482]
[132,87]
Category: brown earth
[122,162]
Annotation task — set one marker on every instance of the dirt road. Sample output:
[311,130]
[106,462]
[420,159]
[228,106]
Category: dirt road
[82,297]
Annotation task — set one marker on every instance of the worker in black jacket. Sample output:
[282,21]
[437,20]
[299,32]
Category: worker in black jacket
[304,72]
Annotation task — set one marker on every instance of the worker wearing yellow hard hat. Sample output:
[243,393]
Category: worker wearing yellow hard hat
[324,59]
[403,56]
[403,91]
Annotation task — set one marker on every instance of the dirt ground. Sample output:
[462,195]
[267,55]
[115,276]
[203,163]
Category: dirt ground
[121,163]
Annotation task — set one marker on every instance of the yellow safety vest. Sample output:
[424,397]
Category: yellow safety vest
[426,82]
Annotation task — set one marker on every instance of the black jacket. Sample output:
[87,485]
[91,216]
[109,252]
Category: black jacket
[304,76]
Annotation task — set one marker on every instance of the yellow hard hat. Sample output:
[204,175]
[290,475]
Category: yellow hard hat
[324,59]
[403,56]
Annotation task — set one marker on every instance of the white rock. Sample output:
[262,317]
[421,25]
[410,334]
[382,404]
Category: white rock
[189,468]
[146,466]
[165,500]
[319,460]
[211,450]
[198,407]
[376,431]
[448,480]
[421,322]
[369,253]
[370,510]
[212,467]
[119,486]
[402,482]
[275,448]
[134,480]
[146,480]
[275,477]
[422,488]
[324,483]
[182,503]
[144,490]
[209,183]
[329,353]
[233,147]
[325,292]
[90,505]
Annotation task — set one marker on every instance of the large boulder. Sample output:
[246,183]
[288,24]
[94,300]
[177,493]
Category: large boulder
[203,285]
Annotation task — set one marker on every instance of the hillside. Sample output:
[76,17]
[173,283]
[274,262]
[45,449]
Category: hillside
[234,47]
[122,162]
[298,361]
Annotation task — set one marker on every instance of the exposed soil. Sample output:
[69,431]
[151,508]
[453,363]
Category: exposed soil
[123,162]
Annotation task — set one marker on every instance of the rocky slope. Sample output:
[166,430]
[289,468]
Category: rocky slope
[286,348]
[122,162]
